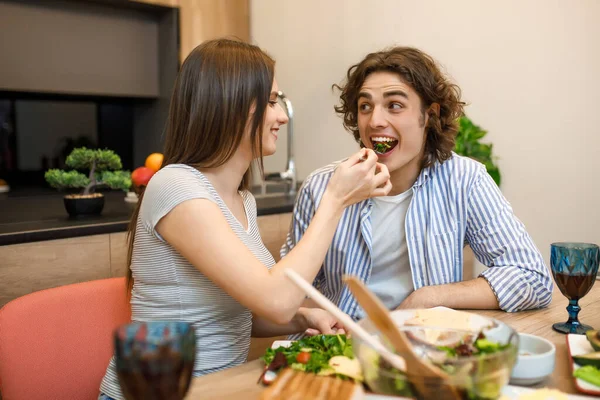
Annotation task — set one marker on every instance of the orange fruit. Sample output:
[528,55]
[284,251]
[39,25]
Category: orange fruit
[154,161]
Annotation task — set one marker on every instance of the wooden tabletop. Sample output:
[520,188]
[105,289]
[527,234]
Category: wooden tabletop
[240,382]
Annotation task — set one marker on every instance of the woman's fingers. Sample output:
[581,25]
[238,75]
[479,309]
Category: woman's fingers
[382,191]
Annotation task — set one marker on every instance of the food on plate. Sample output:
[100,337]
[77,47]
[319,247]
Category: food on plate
[594,338]
[588,373]
[294,384]
[477,366]
[443,318]
[315,354]
[588,359]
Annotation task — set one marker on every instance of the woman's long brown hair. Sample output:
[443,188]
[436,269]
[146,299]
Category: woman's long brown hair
[218,84]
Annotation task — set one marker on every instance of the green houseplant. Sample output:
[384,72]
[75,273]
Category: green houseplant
[104,170]
[468,145]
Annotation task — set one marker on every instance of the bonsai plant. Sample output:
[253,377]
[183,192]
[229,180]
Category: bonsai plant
[468,145]
[104,170]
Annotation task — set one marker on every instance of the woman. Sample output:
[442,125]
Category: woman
[195,250]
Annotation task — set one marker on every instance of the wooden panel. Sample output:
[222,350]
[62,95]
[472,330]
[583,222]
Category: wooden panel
[209,19]
[273,230]
[28,267]
[118,254]
[168,3]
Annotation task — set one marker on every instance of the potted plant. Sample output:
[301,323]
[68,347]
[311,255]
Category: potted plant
[104,170]
[468,145]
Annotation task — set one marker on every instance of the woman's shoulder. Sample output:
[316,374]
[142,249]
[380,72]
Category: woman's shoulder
[177,177]
[176,183]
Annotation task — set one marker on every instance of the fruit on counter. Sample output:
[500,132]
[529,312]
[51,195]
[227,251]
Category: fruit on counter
[154,161]
[588,373]
[594,338]
[141,176]
[588,359]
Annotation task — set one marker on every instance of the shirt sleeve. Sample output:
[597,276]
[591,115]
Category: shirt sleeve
[302,214]
[168,188]
[517,273]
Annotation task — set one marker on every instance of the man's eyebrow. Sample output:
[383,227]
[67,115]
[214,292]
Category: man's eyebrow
[365,95]
[400,93]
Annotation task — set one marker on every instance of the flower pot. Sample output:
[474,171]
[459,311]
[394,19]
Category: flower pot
[82,205]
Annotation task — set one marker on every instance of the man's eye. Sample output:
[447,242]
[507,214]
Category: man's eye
[364,107]
[396,106]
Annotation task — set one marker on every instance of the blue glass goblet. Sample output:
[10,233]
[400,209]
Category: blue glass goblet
[574,267]
[155,360]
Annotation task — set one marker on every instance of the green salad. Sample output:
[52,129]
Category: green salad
[476,366]
[320,354]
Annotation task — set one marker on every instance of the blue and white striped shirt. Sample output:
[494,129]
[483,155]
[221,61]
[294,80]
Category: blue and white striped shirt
[454,203]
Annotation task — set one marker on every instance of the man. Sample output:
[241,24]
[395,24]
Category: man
[408,246]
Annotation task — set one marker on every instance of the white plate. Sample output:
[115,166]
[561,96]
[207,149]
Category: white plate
[578,344]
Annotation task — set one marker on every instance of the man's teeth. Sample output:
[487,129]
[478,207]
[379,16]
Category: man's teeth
[382,139]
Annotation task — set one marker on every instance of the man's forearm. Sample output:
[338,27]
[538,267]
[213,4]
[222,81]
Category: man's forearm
[472,294]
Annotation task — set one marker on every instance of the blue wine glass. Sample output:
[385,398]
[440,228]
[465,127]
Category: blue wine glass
[155,360]
[574,267]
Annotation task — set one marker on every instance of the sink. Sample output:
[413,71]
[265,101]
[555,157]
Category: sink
[271,189]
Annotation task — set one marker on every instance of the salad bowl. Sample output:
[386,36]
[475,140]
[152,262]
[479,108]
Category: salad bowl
[477,354]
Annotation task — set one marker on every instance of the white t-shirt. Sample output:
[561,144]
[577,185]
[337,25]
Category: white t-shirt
[391,278]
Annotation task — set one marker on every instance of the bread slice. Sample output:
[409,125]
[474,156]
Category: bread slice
[298,385]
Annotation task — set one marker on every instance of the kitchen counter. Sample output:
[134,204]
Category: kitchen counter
[40,217]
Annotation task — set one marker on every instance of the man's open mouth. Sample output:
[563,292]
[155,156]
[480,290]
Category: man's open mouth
[382,145]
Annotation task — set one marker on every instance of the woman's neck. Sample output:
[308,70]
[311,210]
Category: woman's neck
[226,178]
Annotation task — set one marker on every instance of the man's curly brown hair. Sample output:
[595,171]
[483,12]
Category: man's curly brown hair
[422,73]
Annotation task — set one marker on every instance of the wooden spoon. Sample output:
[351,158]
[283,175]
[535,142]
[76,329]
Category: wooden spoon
[393,359]
[429,381]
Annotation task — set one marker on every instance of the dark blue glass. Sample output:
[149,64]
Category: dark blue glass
[155,360]
[574,267]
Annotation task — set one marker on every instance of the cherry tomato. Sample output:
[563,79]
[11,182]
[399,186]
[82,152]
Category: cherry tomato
[303,357]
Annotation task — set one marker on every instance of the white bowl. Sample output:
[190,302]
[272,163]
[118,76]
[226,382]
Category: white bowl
[535,360]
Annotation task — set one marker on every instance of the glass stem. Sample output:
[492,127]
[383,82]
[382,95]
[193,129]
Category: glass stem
[573,310]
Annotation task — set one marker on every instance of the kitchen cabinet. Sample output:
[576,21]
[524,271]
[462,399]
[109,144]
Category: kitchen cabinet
[200,20]
[28,267]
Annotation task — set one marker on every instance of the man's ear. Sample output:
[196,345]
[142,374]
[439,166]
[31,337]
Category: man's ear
[434,108]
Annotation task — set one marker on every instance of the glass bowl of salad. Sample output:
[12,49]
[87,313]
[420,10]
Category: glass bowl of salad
[477,354]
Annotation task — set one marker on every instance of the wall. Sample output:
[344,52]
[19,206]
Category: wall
[528,68]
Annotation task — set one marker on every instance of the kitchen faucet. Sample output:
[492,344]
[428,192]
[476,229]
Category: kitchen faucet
[289,175]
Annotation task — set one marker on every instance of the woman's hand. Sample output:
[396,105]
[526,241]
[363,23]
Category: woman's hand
[318,321]
[358,178]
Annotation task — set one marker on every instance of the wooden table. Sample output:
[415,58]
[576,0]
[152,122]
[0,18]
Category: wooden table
[240,382]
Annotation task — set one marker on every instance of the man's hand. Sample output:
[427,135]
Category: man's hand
[319,321]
